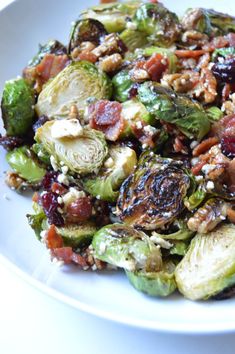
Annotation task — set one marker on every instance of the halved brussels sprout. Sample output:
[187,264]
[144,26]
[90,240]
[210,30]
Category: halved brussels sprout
[208,21]
[159,24]
[214,114]
[125,247]
[122,84]
[187,114]
[119,165]
[161,283]
[133,111]
[83,153]
[209,265]
[74,85]
[87,30]
[17,107]
[51,47]
[113,15]
[77,235]
[195,199]
[153,195]
[133,39]
[25,164]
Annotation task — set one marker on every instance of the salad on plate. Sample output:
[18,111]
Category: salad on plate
[126,135]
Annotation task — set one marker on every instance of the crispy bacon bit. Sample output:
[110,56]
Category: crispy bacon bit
[184,53]
[204,146]
[67,255]
[155,66]
[80,210]
[197,168]
[48,68]
[106,116]
[52,239]
[35,197]
[88,55]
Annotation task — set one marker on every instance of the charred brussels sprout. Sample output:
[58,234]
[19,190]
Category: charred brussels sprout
[17,107]
[77,235]
[82,153]
[87,30]
[125,247]
[23,161]
[208,21]
[74,85]
[119,165]
[153,195]
[161,283]
[122,84]
[51,47]
[208,267]
[159,24]
[165,104]
[114,15]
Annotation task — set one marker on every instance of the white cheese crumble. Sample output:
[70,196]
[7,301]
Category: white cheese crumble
[53,163]
[210,185]
[72,195]
[109,162]
[63,179]
[130,25]
[66,128]
[64,169]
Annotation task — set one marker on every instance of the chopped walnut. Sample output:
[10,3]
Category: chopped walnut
[208,216]
[84,46]
[229,106]
[194,38]
[181,83]
[13,180]
[93,262]
[111,63]
[110,45]
[139,75]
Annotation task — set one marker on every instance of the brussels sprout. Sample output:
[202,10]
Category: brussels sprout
[187,114]
[82,154]
[183,233]
[114,15]
[161,283]
[133,111]
[159,24]
[77,235]
[119,165]
[208,266]
[74,85]
[87,30]
[133,39]
[214,114]
[17,107]
[195,199]
[41,153]
[153,195]
[208,21]
[24,163]
[51,47]
[179,248]
[37,220]
[125,247]
[122,84]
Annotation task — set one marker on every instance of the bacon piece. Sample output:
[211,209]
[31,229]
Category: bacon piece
[197,168]
[184,53]
[155,66]
[58,188]
[79,210]
[67,255]
[106,116]
[204,146]
[53,240]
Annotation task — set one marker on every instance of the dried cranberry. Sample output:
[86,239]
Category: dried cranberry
[225,71]
[49,178]
[133,91]
[50,206]
[41,120]
[228,146]
[10,142]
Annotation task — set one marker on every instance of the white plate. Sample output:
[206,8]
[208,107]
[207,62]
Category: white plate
[23,25]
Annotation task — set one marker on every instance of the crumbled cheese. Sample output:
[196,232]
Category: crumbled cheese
[150,130]
[144,146]
[63,179]
[98,196]
[139,125]
[130,25]
[66,128]
[60,200]
[199,178]
[53,163]
[207,168]
[64,169]
[193,144]
[72,195]
[57,262]
[94,267]
[210,185]
[109,162]
[194,161]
